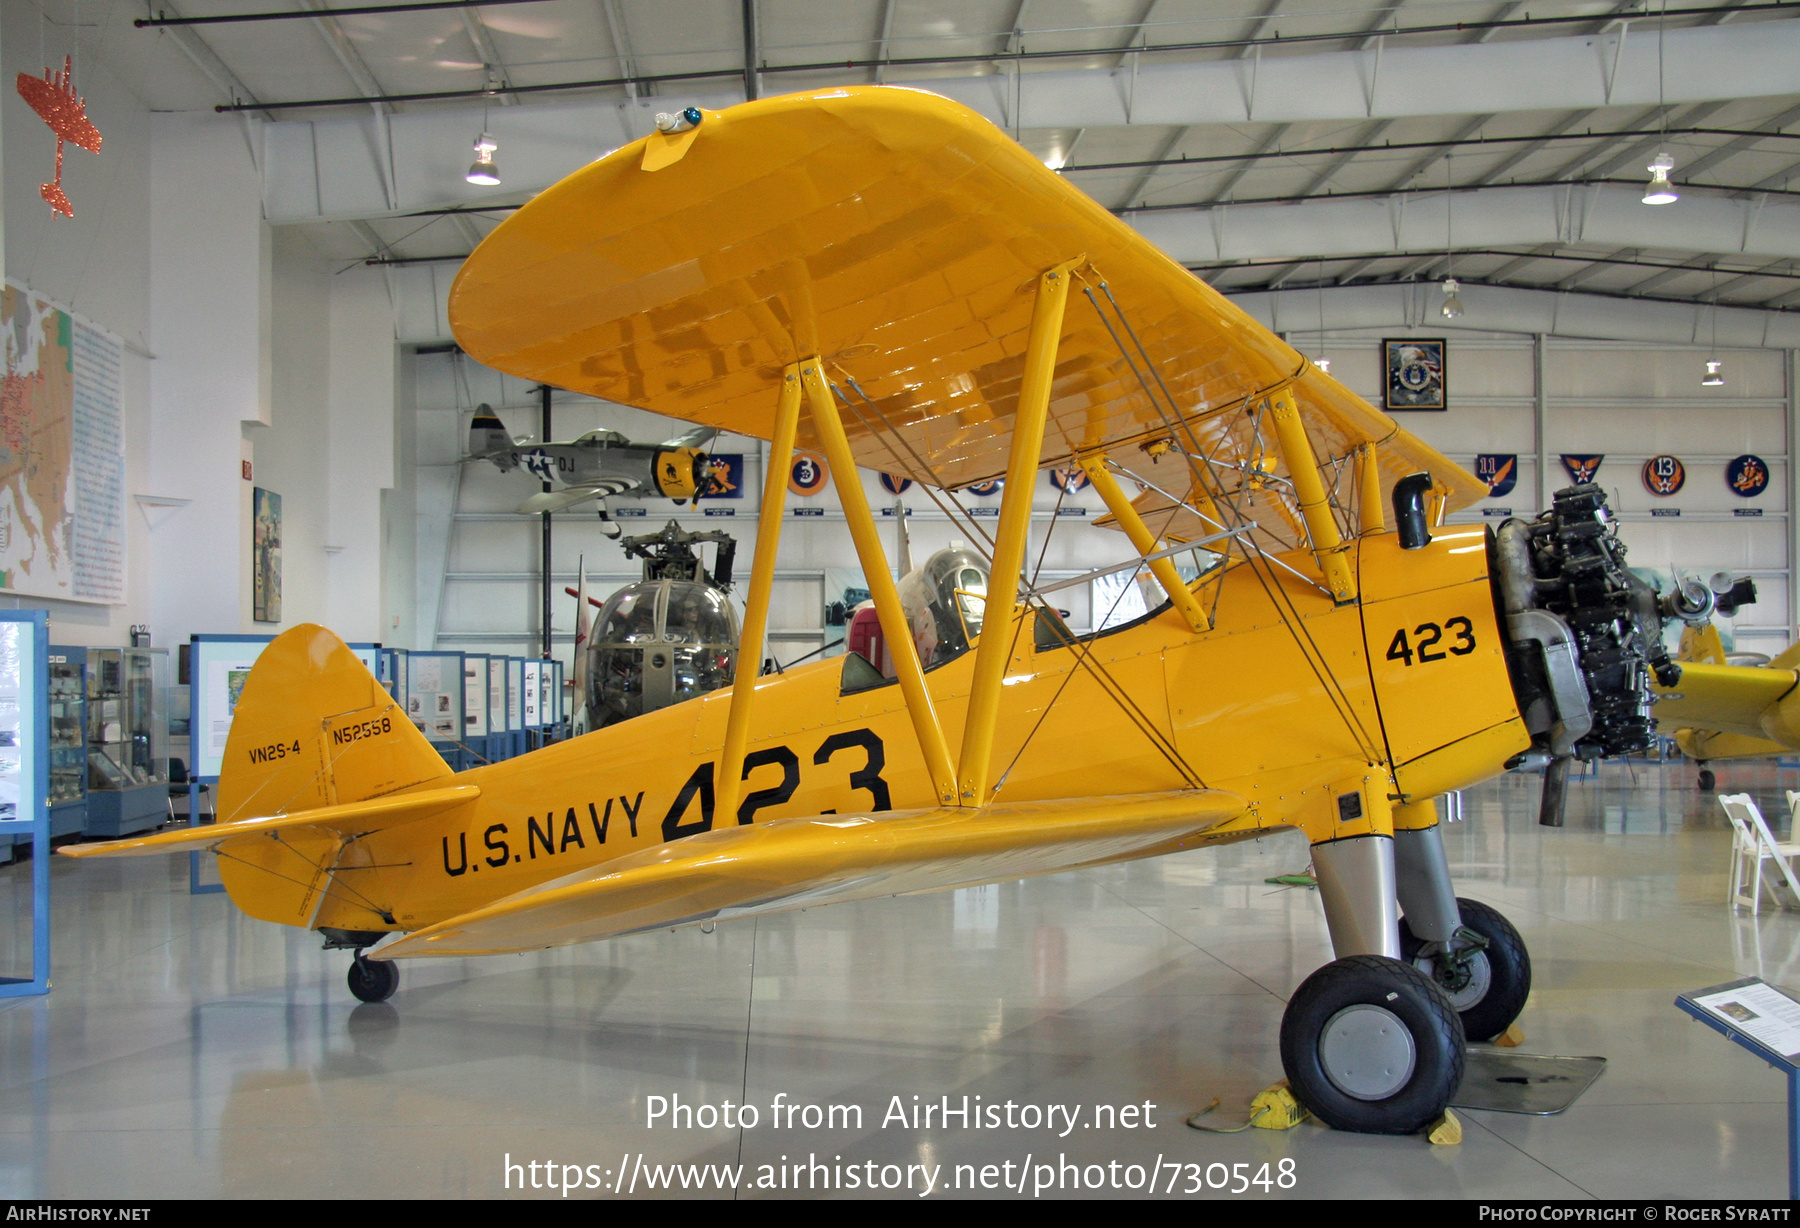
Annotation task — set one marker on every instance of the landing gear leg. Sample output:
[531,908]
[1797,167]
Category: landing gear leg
[1369,1042]
[609,528]
[1469,950]
[373,980]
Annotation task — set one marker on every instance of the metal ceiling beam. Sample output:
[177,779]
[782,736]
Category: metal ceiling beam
[1355,270]
[1707,161]
[621,41]
[1772,268]
[1462,135]
[1596,267]
[1638,153]
[752,80]
[1330,170]
[1547,73]
[1269,143]
[887,34]
[201,55]
[1556,130]
[491,63]
[348,57]
[1693,264]
[1136,194]
[1504,13]
[1508,269]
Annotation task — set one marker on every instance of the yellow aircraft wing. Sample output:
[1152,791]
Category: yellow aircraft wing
[794,863]
[898,235]
[1740,699]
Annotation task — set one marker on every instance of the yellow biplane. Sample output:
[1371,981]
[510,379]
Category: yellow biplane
[1721,710]
[880,275]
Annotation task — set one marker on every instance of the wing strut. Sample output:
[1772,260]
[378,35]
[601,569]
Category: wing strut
[1145,541]
[894,627]
[995,645]
[1309,493]
[756,601]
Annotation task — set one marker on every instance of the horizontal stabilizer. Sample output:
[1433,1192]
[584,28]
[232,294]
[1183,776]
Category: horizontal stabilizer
[557,500]
[824,859]
[349,819]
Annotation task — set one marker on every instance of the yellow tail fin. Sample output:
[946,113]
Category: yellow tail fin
[312,729]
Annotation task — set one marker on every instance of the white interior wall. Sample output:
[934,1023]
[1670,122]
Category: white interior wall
[479,575]
[1630,402]
[97,264]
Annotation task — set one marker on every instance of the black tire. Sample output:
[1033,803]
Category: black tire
[373,980]
[1707,780]
[1420,1094]
[1507,971]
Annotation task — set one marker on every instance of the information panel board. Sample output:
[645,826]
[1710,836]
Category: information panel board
[496,684]
[218,667]
[434,694]
[534,694]
[475,695]
[515,693]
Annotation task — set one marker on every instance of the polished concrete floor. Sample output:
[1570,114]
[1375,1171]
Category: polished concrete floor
[187,1051]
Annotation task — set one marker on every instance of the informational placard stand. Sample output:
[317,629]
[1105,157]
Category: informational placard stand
[369,655]
[475,712]
[515,703]
[499,741]
[559,695]
[534,704]
[218,667]
[435,703]
[393,673]
[1765,1020]
[25,773]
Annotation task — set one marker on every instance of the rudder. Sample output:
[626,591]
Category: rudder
[312,728]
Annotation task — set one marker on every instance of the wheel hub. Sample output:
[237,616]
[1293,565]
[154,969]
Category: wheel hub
[1367,1052]
[1465,980]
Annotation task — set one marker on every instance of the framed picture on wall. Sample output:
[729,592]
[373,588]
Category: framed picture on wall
[1413,374]
[265,558]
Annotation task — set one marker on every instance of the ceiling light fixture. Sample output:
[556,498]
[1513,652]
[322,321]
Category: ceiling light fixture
[1714,378]
[1661,191]
[1452,300]
[483,171]
[1323,364]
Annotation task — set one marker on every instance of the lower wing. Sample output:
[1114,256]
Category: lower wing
[1743,699]
[797,863]
[557,500]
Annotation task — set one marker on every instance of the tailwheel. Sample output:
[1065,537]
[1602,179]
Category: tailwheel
[373,980]
[1370,1044]
[1707,780]
[1485,972]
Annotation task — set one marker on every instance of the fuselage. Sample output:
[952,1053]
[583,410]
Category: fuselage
[1411,680]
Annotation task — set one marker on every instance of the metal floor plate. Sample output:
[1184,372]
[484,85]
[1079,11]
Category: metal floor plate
[1524,1082]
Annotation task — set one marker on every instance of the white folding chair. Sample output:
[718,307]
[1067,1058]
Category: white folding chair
[1753,845]
[1793,796]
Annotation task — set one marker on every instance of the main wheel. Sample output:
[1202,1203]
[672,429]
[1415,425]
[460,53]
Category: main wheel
[1707,780]
[374,980]
[1488,987]
[1371,1045]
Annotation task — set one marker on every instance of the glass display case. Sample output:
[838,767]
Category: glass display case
[127,740]
[68,740]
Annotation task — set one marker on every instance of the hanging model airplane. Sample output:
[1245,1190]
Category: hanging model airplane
[596,466]
[54,99]
[880,275]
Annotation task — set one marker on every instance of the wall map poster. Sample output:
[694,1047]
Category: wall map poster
[62,454]
[266,558]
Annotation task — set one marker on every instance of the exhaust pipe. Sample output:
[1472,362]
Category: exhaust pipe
[1409,510]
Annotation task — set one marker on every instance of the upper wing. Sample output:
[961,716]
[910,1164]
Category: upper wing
[898,235]
[1741,699]
[557,500]
[795,863]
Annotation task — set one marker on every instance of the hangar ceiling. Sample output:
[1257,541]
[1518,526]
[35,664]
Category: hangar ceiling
[1268,144]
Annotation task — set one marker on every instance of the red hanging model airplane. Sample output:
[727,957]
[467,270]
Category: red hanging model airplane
[54,98]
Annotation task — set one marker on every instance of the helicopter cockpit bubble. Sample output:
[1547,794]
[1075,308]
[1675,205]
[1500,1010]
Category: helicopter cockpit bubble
[669,637]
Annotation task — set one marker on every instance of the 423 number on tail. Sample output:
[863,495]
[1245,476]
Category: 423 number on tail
[1427,638]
